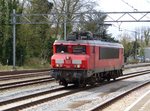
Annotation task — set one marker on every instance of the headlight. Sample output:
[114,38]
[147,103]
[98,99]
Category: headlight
[67,57]
[57,65]
[78,66]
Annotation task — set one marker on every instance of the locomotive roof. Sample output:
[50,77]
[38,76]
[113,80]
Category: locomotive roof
[89,42]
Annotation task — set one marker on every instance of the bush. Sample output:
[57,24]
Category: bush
[36,63]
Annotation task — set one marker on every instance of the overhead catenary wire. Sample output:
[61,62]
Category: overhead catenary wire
[136,11]
[131,6]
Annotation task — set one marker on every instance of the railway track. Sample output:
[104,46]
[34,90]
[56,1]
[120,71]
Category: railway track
[25,83]
[23,75]
[135,73]
[9,75]
[37,98]
[114,99]
[44,80]
[4,73]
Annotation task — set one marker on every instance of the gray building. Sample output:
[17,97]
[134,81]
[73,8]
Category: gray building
[147,54]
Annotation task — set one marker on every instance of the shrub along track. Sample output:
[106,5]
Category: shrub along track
[38,98]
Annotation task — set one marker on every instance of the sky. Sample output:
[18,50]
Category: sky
[122,6]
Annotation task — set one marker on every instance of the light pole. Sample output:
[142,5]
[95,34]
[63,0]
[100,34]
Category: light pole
[135,45]
[14,39]
[65,20]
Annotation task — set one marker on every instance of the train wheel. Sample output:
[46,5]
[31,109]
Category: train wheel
[77,84]
[101,80]
[114,79]
[92,81]
[63,82]
[108,79]
[83,85]
[66,84]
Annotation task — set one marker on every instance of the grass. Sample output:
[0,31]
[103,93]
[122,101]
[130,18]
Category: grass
[5,68]
[30,63]
[10,68]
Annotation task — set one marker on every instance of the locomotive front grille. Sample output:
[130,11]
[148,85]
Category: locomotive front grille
[68,75]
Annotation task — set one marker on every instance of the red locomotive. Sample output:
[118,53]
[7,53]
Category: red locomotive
[80,60]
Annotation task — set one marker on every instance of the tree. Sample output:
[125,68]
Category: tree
[6,8]
[71,7]
[94,22]
[126,42]
[147,36]
[129,46]
[36,39]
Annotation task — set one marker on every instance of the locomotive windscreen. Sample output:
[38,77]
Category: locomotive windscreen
[79,49]
[61,48]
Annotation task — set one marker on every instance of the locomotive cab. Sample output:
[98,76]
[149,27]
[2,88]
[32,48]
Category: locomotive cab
[73,55]
[69,62]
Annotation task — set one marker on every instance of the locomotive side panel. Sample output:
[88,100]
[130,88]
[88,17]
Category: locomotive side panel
[121,57]
[107,59]
[92,57]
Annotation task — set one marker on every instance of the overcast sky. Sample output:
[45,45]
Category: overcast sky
[124,5]
[119,5]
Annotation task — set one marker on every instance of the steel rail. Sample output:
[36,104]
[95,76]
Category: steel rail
[46,79]
[4,73]
[9,77]
[140,73]
[114,99]
[25,83]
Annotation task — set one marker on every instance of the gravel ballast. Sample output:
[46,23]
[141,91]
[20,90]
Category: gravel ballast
[84,100]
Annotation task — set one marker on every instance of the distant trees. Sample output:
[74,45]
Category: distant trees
[31,40]
[147,36]
[6,8]
[136,47]
[74,10]
[94,22]
[34,41]
[81,15]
